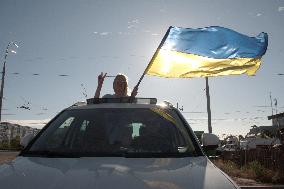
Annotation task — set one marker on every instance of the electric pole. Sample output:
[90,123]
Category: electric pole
[3,74]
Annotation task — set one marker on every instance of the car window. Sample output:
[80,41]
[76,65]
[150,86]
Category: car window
[116,131]
[57,136]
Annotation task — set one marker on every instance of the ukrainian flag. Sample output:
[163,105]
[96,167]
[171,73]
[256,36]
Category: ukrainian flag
[206,52]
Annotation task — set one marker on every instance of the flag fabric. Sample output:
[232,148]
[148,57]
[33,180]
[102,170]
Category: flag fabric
[207,52]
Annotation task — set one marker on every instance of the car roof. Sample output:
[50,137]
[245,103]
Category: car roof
[118,105]
[103,103]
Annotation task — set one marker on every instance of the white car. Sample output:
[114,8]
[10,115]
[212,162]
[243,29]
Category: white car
[114,144]
[229,148]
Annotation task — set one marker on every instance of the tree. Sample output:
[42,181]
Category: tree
[241,137]
[254,126]
[15,143]
[267,134]
[4,145]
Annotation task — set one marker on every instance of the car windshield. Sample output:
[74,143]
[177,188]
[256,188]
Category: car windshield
[115,132]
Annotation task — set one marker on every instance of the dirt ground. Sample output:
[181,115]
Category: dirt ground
[7,156]
[248,182]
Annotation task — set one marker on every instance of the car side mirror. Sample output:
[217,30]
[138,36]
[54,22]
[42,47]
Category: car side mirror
[210,143]
[26,139]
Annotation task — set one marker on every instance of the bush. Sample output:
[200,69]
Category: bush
[254,170]
[14,144]
[229,167]
[257,168]
[4,145]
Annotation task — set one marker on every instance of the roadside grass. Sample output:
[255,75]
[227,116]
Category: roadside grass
[253,170]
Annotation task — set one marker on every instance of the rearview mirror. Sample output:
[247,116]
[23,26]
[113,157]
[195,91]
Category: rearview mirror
[26,139]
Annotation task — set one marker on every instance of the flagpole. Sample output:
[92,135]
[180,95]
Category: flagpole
[153,57]
[208,106]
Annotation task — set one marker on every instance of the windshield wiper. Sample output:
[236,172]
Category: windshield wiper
[49,153]
[122,152]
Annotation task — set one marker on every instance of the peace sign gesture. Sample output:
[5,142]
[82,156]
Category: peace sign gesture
[101,78]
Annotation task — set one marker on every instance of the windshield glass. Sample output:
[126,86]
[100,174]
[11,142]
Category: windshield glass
[115,131]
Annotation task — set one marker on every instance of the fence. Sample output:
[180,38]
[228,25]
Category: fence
[270,157]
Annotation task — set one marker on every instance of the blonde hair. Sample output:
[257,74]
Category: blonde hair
[127,91]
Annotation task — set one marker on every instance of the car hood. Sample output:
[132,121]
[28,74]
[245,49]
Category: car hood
[112,172]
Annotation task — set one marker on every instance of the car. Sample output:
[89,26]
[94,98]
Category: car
[114,143]
[228,148]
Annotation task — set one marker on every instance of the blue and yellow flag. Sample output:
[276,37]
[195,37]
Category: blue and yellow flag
[206,52]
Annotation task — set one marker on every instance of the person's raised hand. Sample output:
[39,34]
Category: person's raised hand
[101,78]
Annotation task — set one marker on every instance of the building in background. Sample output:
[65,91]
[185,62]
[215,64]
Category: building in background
[278,122]
[9,131]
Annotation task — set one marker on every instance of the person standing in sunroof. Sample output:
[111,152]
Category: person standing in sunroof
[120,87]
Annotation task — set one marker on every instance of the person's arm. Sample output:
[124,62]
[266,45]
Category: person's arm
[101,78]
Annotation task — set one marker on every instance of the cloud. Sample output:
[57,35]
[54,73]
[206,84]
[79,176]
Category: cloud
[280,9]
[101,33]
[146,31]
[104,33]
[131,26]
[31,123]
[135,21]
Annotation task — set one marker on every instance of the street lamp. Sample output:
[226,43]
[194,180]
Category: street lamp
[3,72]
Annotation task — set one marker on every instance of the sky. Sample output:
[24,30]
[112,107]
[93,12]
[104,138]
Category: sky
[64,45]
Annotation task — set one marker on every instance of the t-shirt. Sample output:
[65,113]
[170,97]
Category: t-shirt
[109,96]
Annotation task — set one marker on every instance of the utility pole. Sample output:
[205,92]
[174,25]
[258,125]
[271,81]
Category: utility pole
[3,74]
[208,106]
[2,87]
[271,103]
